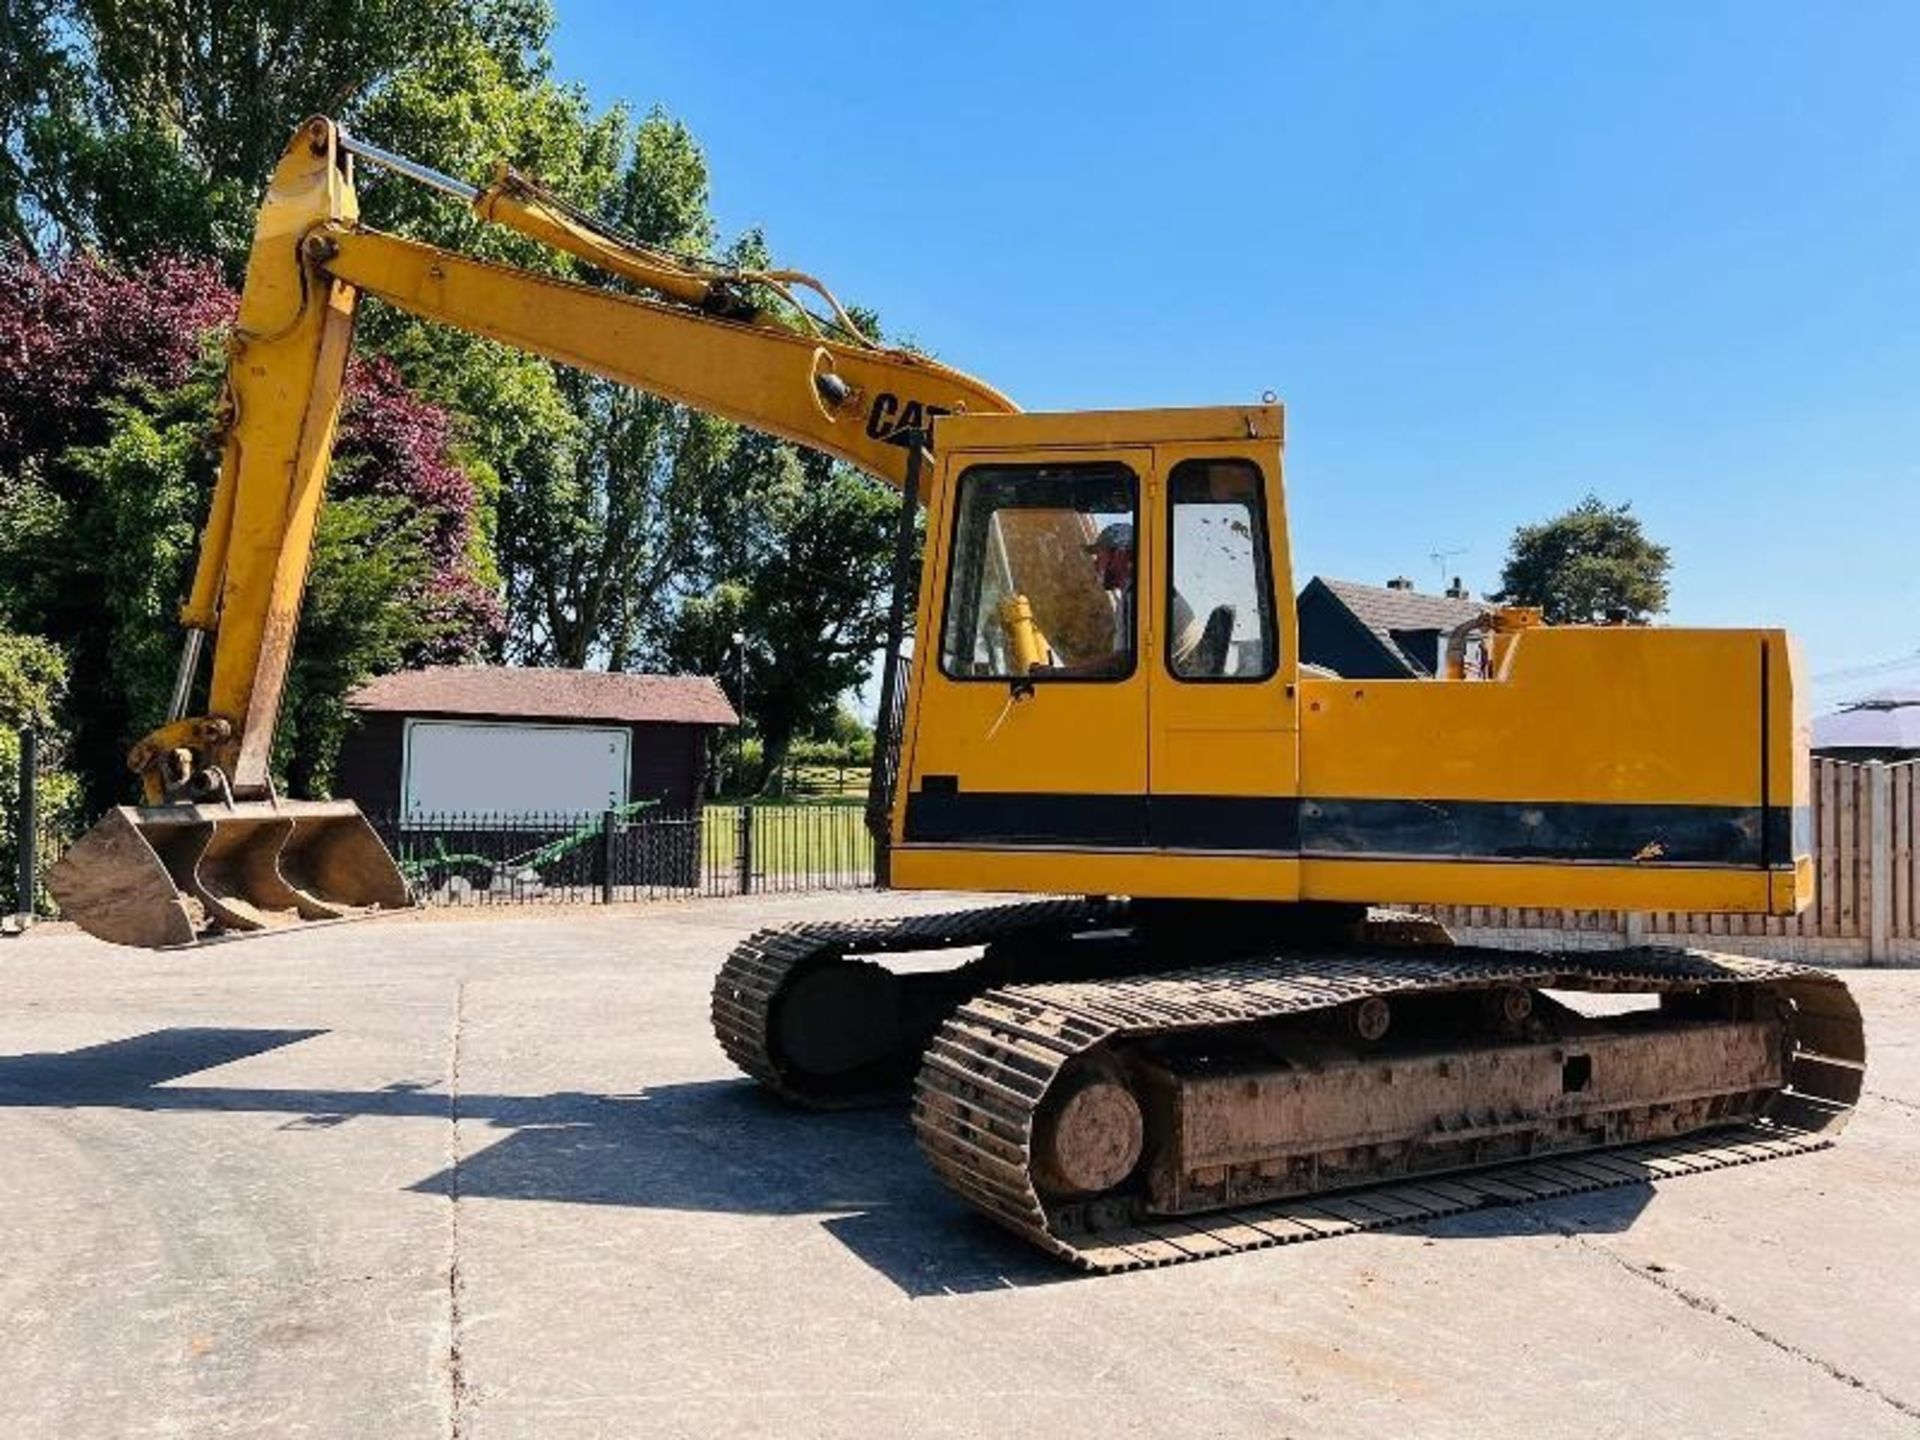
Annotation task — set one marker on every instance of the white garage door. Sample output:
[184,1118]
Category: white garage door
[500,768]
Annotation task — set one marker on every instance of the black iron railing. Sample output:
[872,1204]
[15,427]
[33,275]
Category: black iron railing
[634,852]
[37,802]
[638,852]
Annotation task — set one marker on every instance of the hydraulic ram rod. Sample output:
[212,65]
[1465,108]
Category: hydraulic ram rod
[412,169]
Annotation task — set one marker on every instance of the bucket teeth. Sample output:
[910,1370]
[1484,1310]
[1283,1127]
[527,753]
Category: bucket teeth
[237,876]
[174,875]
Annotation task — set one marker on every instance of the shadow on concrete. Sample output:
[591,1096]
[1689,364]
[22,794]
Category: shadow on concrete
[721,1146]
[727,1146]
[1593,1212]
[122,1068]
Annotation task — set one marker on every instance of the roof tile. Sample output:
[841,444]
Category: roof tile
[529,692]
[1383,610]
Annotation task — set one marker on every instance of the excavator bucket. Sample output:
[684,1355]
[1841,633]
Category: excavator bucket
[160,876]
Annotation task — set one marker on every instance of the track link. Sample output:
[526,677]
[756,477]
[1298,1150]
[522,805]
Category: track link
[764,968]
[995,1061]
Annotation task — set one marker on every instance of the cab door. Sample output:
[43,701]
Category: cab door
[1030,714]
[1223,763]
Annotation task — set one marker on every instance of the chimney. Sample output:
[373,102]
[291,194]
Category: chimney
[1457,591]
[1399,582]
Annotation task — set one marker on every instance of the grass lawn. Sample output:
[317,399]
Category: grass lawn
[790,840]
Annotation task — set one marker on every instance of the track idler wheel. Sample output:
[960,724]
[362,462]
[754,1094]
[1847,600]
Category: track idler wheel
[1090,1139]
[839,1020]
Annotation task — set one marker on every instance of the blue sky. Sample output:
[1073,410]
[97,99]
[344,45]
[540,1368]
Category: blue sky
[1492,256]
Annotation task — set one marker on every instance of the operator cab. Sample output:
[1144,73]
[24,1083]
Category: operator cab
[1109,686]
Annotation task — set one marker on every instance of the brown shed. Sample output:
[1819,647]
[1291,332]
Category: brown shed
[506,740]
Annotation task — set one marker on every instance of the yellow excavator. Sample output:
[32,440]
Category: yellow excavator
[1214,1042]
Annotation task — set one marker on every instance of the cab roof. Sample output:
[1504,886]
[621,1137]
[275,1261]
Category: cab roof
[1091,429]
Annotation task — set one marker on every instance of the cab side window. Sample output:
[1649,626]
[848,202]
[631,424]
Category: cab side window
[1220,598]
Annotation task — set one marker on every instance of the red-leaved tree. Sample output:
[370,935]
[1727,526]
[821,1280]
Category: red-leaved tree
[75,332]
[107,386]
[395,446]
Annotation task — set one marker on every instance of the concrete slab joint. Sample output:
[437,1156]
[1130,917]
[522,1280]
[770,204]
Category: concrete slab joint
[456,1399]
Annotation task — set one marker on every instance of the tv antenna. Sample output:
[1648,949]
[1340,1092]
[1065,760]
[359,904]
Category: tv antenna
[1440,559]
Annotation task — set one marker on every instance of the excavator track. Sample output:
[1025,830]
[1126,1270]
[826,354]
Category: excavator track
[818,968]
[1011,1061]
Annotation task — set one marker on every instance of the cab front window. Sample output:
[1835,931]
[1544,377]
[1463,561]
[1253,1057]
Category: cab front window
[1041,583]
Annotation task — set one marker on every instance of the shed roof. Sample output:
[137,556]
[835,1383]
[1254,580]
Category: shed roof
[536,693]
[1383,610]
[1889,720]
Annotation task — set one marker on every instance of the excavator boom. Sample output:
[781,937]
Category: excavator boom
[213,851]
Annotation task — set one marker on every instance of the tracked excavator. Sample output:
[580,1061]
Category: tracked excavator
[1215,1041]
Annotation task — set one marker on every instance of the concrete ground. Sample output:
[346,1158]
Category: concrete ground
[492,1177]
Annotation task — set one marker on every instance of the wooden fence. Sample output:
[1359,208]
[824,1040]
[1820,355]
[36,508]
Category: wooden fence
[1866,906]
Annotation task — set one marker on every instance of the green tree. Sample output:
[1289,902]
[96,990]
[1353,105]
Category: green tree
[31,62]
[140,126]
[600,551]
[608,499]
[809,594]
[137,126]
[849,732]
[474,100]
[1589,566]
[32,676]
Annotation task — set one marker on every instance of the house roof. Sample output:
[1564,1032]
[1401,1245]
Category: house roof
[525,692]
[1383,610]
[1889,720]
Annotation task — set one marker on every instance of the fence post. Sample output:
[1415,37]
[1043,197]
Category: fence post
[1636,928]
[743,849]
[609,831]
[1879,861]
[27,820]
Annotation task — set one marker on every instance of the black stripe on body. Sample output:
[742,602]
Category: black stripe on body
[1555,830]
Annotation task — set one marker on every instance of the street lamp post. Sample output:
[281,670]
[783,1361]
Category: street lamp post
[740,742]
